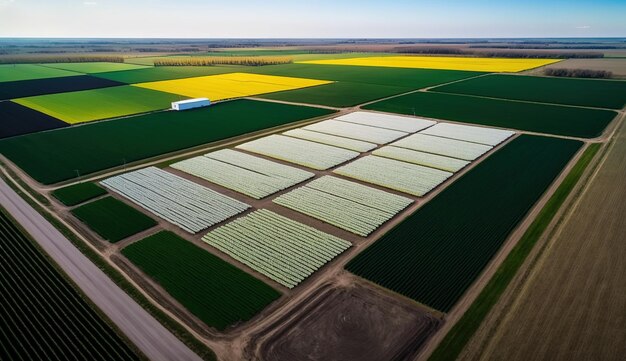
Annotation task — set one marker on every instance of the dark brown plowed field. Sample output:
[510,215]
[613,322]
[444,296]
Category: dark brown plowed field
[352,323]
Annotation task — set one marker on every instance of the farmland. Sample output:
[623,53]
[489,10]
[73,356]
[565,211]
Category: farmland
[16,120]
[543,118]
[113,220]
[216,292]
[583,92]
[151,74]
[27,88]
[282,249]
[118,141]
[441,63]
[78,193]
[39,308]
[16,72]
[175,199]
[578,283]
[94,67]
[441,235]
[95,104]
[229,86]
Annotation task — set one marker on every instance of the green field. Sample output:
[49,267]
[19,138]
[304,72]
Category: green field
[215,291]
[112,219]
[435,254]
[42,316]
[456,339]
[15,72]
[95,147]
[94,67]
[96,104]
[165,73]
[339,94]
[78,193]
[411,78]
[583,92]
[542,118]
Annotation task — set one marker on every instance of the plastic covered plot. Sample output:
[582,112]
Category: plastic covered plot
[328,139]
[426,159]
[469,133]
[356,131]
[388,121]
[443,146]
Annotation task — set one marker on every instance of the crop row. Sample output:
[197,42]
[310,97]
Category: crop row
[42,317]
[175,199]
[282,249]
[345,204]
[298,151]
[215,291]
[401,176]
[435,254]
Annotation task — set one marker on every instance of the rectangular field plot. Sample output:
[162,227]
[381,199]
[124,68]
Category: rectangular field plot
[348,205]
[400,176]
[284,250]
[244,173]
[78,193]
[535,117]
[95,67]
[388,121]
[27,88]
[17,119]
[215,291]
[229,86]
[443,146]
[17,72]
[141,137]
[96,104]
[584,92]
[441,62]
[298,151]
[468,133]
[158,73]
[112,219]
[426,159]
[435,254]
[328,139]
[175,199]
[356,131]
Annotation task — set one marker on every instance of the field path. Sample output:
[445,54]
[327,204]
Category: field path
[571,305]
[156,342]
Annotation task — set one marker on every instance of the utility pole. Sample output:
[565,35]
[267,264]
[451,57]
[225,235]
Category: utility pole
[78,175]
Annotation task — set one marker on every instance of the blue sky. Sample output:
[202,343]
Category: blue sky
[312,18]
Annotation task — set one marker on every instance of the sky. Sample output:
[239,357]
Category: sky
[312,18]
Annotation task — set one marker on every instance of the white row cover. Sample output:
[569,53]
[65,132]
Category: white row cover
[298,151]
[388,121]
[356,131]
[443,146]
[401,176]
[175,199]
[341,142]
[348,205]
[468,133]
[426,159]
[256,177]
[284,250]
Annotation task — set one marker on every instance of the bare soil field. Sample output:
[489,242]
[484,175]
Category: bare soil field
[616,66]
[352,323]
[571,305]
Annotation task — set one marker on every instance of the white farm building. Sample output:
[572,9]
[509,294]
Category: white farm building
[191,103]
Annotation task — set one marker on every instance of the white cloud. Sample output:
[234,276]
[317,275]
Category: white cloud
[583,27]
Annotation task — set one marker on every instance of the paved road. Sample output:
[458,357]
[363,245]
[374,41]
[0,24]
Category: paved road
[156,342]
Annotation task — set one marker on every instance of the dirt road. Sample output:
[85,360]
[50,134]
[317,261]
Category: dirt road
[156,342]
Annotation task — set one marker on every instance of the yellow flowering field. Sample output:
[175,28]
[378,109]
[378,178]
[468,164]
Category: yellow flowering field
[227,86]
[442,63]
